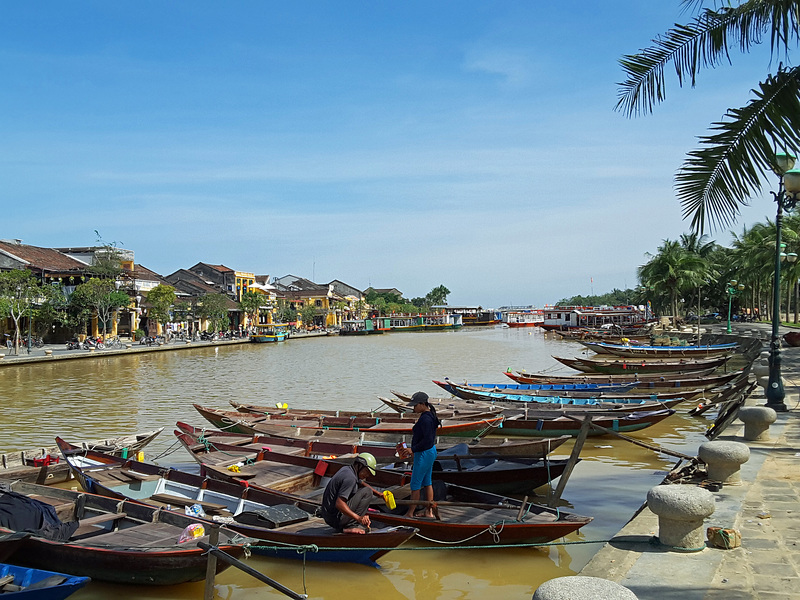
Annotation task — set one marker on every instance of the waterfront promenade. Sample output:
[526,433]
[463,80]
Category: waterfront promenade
[764,508]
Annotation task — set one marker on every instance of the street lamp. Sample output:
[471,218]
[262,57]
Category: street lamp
[733,288]
[786,198]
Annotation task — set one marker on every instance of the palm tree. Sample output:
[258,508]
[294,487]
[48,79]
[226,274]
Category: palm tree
[673,271]
[717,179]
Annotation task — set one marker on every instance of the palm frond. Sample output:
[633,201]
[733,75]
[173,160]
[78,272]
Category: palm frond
[717,179]
[705,42]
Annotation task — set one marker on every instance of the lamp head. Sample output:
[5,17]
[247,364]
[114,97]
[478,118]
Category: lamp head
[784,162]
[791,182]
[791,257]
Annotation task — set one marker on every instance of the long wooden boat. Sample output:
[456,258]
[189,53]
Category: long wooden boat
[499,393]
[357,417]
[281,528]
[602,335]
[564,425]
[338,444]
[544,410]
[466,515]
[41,465]
[622,366]
[635,351]
[691,380]
[560,389]
[502,475]
[107,540]
[25,583]
[244,423]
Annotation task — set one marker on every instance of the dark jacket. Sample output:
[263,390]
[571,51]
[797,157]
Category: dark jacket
[424,431]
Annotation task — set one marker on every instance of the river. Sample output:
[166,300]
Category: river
[109,396]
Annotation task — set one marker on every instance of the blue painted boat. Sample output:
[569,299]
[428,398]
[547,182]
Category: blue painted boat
[37,584]
[277,332]
[620,387]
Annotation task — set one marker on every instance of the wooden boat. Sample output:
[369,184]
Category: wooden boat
[690,380]
[9,542]
[107,540]
[466,515]
[566,425]
[41,465]
[544,410]
[276,332]
[357,417]
[792,338]
[245,422]
[602,335]
[634,351]
[281,527]
[502,475]
[24,583]
[472,392]
[382,450]
[559,389]
[621,366]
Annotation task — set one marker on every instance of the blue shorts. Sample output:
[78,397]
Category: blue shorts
[423,466]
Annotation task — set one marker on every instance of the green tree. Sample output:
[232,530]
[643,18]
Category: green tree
[161,300]
[19,291]
[672,272]
[214,309]
[307,314]
[250,305]
[437,296]
[103,296]
[107,263]
[717,179]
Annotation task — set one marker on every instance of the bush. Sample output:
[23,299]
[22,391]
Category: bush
[138,335]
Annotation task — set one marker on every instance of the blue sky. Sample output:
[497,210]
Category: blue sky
[393,144]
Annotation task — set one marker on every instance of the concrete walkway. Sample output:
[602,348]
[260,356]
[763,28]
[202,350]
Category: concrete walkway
[51,352]
[765,508]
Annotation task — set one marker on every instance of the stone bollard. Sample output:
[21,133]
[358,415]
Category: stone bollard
[128,346]
[681,510]
[48,353]
[761,370]
[2,356]
[724,460]
[757,420]
[578,587]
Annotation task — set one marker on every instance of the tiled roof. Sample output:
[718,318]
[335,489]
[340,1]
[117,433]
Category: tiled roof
[42,258]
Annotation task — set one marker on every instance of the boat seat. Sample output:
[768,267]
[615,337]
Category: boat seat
[87,527]
[209,507]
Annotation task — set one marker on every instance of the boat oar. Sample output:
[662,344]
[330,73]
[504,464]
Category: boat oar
[235,562]
[661,449]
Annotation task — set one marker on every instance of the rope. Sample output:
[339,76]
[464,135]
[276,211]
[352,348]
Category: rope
[446,545]
[173,448]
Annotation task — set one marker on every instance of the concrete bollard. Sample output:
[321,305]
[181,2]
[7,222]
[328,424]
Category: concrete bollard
[128,346]
[724,460]
[761,370]
[48,353]
[757,420]
[578,587]
[681,510]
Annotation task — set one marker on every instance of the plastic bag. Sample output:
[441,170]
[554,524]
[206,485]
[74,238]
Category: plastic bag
[192,532]
[195,510]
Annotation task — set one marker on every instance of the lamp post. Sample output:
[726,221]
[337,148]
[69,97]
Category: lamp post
[733,288]
[786,198]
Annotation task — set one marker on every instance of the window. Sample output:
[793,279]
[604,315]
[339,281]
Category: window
[318,303]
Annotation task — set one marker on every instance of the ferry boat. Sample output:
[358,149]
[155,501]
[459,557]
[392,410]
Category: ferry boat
[472,316]
[361,327]
[567,317]
[524,317]
[274,332]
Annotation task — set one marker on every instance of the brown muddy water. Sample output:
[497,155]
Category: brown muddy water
[109,396]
